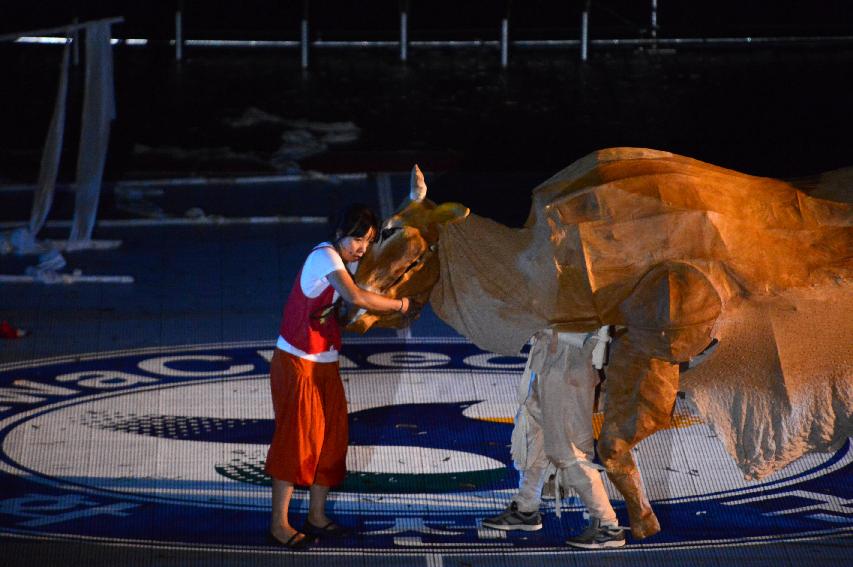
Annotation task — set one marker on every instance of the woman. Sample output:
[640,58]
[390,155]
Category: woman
[309,446]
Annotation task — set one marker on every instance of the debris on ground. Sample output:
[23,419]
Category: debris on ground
[7,331]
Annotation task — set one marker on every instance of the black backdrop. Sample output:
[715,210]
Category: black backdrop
[379,18]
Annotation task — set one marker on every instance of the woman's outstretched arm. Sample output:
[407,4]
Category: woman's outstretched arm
[351,293]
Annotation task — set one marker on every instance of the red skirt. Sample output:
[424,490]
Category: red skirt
[309,445]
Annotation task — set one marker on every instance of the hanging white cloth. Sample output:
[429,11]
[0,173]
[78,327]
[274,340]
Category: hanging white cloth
[23,240]
[49,169]
[98,112]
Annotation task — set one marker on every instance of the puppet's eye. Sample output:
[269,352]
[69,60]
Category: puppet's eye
[388,232]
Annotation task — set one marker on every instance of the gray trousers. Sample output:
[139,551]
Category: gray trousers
[553,428]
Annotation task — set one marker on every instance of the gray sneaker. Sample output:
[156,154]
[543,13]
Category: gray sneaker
[596,536]
[513,519]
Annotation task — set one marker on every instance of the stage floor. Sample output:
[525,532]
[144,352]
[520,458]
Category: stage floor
[134,419]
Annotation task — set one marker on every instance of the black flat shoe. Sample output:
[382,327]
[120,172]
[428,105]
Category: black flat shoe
[331,529]
[295,542]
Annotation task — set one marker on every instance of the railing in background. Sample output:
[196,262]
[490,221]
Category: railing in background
[649,38]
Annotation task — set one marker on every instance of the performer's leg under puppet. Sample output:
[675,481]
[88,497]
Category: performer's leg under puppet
[567,384]
[533,469]
[529,458]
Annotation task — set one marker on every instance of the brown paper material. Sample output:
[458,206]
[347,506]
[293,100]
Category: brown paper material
[679,252]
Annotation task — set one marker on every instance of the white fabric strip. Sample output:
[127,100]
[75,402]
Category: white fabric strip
[43,198]
[98,112]
[328,356]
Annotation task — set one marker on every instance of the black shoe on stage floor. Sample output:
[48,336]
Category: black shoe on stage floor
[295,542]
[331,529]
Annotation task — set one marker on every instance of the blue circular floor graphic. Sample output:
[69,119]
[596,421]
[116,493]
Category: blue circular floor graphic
[166,446]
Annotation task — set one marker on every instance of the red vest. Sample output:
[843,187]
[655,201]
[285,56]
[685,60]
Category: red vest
[309,323]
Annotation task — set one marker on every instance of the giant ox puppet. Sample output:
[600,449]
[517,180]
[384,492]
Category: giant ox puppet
[677,253]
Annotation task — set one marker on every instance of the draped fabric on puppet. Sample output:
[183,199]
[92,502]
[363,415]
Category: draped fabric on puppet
[481,293]
[779,385]
[781,382]
[98,112]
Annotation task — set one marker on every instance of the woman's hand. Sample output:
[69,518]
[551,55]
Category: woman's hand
[405,303]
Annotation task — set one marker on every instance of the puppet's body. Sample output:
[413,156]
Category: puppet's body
[678,253]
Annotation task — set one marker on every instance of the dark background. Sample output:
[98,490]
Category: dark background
[780,109]
[352,18]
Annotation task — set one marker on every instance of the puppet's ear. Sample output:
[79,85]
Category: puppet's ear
[448,212]
[417,185]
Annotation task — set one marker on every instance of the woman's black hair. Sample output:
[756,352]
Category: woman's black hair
[354,220]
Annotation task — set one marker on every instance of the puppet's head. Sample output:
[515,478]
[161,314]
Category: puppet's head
[403,262]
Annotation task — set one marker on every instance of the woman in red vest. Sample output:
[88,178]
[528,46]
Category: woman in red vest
[309,446]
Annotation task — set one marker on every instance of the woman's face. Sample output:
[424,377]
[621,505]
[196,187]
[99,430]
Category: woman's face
[352,248]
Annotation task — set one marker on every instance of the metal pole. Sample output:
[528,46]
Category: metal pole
[179,35]
[654,22]
[504,41]
[304,43]
[404,31]
[584,33]
[304,38]
[75,43]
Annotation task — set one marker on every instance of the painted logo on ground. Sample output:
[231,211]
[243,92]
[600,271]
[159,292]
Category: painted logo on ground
[168,445]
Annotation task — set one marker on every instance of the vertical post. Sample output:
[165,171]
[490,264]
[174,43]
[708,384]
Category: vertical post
[179,32]
[75,42]
[504,42]
[404,30]
[585,32]
[505,35]
[304,34]
[654,22]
